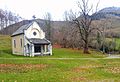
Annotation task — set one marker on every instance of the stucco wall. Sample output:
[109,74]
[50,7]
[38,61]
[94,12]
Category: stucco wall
[19,50]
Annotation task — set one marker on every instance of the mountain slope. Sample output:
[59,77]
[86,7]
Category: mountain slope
[12,28]
[109,12]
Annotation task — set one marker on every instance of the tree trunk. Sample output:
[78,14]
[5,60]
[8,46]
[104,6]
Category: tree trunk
[86,50]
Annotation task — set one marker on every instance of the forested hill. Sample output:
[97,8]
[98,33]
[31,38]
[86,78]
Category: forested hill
[12,28]
[110,19]
[109,12]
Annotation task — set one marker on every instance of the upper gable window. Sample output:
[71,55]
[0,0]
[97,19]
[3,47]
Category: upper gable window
[34,33]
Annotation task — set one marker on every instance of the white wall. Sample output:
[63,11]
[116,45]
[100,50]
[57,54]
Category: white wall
[34,28]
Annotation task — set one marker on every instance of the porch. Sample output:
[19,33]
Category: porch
[41,49]
[38,47]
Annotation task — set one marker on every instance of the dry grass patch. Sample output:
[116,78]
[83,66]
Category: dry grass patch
[85,68]
[91,66]
[80,69]
[20,68]
[115,70]
[79,79]
[114,63]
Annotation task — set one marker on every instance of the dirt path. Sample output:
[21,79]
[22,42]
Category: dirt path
[114,56]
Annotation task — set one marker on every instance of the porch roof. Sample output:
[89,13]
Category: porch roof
[39,41]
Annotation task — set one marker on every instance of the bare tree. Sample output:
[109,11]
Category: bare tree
[7,18]
[70,32]
[2,19]
[48,19]
[84,22]
[105,26]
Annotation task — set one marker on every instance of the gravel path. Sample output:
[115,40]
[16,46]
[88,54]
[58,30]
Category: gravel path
[114,56]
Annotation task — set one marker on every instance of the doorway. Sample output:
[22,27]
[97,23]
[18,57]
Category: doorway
[37,48]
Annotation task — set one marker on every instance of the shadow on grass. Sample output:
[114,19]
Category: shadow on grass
[8,53]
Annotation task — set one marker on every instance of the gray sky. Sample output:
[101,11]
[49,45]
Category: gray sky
[28,8]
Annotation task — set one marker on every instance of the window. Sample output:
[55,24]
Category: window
[34,33]
[21,42]
[14,44]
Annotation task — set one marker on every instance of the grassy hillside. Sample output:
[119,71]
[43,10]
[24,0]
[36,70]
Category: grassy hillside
[5,46]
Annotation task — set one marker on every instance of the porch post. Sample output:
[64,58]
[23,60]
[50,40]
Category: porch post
[32,50]
[50,46]
[45,48]
[24,50]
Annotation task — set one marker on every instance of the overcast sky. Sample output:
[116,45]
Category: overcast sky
[28,8]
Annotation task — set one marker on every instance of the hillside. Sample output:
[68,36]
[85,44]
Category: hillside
[109,18]
[12,28]
[109,12]
[5,46]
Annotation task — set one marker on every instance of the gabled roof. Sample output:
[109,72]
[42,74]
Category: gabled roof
[39,41]
[21,29]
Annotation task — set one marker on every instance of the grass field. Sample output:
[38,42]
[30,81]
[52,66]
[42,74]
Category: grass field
[55,70]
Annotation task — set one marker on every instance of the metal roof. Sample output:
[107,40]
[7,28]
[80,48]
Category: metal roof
[21,29]
[39,41]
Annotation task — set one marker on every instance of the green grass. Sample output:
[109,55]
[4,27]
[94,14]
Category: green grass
[116,40]
[59,53]
[117,43]
[49,70]
[5,46]
[60,70]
